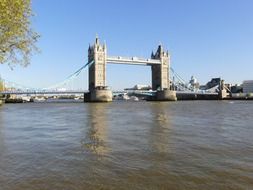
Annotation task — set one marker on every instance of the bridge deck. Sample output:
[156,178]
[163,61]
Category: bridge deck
[41,92]
[82,92]
[132,60]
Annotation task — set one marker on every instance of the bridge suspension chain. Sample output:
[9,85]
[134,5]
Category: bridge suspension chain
[69,79]
[180,84]
[13,85]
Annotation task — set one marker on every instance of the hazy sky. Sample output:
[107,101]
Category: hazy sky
[206,38]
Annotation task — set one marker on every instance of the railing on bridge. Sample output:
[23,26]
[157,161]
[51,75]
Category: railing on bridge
[41,92]
[132,60]
[117,92]
[177,83]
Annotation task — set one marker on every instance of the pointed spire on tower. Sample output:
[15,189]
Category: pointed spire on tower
[97,39]
[152,54]
[104,46]
[161,48]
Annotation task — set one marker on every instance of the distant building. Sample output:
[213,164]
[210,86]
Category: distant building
[236,88]
[247,86]
[214,82]
[194,83]
[140,87]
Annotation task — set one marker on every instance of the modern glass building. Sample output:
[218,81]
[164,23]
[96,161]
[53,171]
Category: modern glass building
[247,86]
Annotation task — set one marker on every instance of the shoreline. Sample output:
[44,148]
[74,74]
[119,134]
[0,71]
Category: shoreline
[18,101]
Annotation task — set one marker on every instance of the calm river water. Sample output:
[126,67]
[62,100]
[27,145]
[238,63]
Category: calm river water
[127,145]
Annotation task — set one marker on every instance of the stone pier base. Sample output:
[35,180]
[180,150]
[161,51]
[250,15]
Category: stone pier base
[164,95]
[223,94]
[102,95]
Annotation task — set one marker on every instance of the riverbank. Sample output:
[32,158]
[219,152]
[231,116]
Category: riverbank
[1,100]
[13,101]
[180,97]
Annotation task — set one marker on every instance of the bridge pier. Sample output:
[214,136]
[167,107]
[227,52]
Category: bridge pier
[223,94]
[98,95]
[166,95]
[222,91]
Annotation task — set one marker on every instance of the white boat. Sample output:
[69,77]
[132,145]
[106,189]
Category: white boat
[26,99]
[134,98]
[39,99]
[125,97]
[122,97]
[78,98]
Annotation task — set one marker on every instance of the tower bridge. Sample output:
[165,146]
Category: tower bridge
[160,69]
[164,79]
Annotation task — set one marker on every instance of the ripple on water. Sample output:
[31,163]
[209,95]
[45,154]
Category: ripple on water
[134,145]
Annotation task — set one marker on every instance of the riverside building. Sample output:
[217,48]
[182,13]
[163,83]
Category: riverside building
[247,86]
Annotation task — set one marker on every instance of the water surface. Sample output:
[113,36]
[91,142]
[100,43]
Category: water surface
[127,145]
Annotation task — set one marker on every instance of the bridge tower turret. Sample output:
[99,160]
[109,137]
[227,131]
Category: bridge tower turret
[97,71]
[160,73]
[98,92]
[161,76]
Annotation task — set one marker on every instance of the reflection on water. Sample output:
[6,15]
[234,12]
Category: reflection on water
[127,145]
[2,139]
[96,137]
[160,127]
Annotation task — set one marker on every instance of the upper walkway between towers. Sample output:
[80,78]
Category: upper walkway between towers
[132,60]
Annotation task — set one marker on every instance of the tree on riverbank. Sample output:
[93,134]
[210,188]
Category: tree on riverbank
[17,38]
[1,89]
[1,86]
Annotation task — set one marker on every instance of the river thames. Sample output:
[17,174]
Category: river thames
[127,145]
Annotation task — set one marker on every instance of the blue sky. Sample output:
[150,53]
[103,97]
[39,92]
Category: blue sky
[206,38]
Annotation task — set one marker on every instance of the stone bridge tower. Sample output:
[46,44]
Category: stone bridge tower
[160,73]
[161,76]
[98,92]
[97,70]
